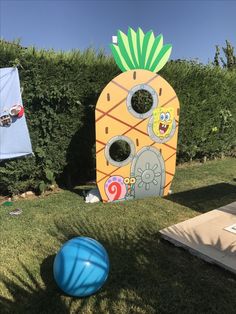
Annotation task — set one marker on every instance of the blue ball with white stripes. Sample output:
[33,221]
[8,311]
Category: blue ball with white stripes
[81,267]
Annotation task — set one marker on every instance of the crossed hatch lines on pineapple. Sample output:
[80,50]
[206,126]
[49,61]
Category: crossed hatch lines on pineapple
[107,113]
[109,174]
[125,89]
[130,127]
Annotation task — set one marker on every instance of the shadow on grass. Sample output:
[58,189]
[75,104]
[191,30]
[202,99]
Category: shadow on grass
[147,275]
[29,296]
[206,198]
[82,190]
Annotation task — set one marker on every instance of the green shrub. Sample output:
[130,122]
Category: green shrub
[60,94]
[207,97]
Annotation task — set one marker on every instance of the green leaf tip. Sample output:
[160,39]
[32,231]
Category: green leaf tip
[138,50]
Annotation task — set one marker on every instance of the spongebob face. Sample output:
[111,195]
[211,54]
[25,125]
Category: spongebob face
[163,121]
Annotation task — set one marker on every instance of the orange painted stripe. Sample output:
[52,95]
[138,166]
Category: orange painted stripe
[108,175]
[100,142]
[104,144]
[170,100]
[170,156]
[135,126]
[102,172]
[100,150]
[167,184]
[119,85]
[123,122]
[171,174]
[169,146]
[119,103]
[150,80]
[153,143]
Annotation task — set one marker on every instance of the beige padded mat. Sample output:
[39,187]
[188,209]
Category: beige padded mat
[206,236]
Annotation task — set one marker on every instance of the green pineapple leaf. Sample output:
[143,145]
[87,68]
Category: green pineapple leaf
[161,59]
[119,59]
[155,50]
[132,38]
[146,41]
[125,49]
[137,50]
[140,37]
[149,47]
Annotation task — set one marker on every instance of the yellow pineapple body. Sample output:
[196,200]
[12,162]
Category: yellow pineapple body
[114,118]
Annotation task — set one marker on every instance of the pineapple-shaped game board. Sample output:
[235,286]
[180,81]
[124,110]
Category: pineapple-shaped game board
[149,134]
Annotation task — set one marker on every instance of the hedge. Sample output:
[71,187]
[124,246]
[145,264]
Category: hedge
[60,94]
[207,97]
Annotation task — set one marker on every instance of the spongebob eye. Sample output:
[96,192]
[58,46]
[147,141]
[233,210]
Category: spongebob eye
[167,116]
[162,116]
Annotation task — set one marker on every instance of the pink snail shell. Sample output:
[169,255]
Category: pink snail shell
[115,188]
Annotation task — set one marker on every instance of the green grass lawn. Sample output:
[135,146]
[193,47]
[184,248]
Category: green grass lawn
[147,274]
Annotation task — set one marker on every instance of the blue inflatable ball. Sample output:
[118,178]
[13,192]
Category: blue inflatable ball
[81,267]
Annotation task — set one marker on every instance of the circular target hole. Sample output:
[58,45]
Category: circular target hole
[142,101]
[119,150]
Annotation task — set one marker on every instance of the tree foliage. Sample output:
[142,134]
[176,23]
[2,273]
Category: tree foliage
[229,59]
[207,97]
[60,93]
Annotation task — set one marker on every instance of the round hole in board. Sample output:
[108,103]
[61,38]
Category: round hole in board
[119,150]
[141,101]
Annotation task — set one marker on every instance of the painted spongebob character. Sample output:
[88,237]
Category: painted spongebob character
[163,122]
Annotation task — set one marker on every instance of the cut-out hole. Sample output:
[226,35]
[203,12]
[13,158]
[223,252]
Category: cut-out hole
[108,97]
[106,130]
[137,142]
[119,150]
[142,101]
[134,75]
[160,91]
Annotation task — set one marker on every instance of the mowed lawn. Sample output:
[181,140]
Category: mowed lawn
[147,274]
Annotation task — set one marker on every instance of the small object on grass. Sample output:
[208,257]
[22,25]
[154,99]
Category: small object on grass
[7,203]
[16,212]
[93,196]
